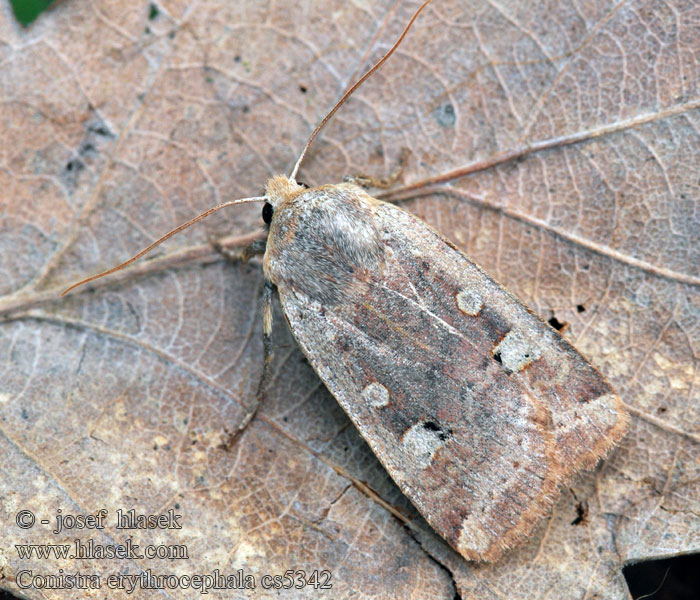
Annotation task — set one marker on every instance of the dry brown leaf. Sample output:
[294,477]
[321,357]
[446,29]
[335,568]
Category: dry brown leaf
[577,124]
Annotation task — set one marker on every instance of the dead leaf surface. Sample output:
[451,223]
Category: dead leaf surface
[557,143]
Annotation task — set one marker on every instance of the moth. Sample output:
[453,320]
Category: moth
[477,409]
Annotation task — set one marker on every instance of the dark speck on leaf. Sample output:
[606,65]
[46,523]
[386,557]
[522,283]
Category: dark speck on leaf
[580,514]
[100,130]
[556,323]
[445,115]
[75,165]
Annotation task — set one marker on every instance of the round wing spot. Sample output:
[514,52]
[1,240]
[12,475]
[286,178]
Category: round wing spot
[516,351]
[470,303]
[474,538]
[376,395]
[423,440]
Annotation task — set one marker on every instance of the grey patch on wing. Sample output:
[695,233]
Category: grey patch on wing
[515,351]
[470,303]
[423,440]
[376,395]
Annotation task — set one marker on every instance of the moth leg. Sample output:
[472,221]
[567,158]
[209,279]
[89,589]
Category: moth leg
[266,310]
[254,248]
[267,341]
[382,183]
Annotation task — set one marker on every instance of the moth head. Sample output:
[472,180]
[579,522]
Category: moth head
[278,190]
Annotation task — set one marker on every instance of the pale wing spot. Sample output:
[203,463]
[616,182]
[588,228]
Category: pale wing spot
[474,539]
[470,303]
[376,395]
[422,441]
[606,411]
[516,351]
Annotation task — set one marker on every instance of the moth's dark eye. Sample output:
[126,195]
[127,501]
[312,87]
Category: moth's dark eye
[267,212]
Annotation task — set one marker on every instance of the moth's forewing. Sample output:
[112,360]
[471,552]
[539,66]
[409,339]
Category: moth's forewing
[477,409]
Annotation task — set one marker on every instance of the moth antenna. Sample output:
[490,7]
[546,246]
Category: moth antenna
[357,84]
[160,240]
